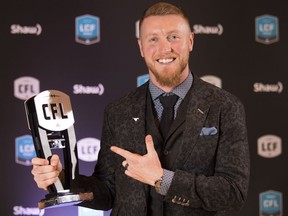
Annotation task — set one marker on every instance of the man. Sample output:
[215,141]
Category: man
[200,166]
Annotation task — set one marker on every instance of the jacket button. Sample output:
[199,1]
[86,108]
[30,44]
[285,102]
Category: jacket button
[165,152]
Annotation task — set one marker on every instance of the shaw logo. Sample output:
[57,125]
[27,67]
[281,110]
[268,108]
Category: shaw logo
[81,89]
[19,210]
[88,149]
[18,29]
[214,80]
[87,29]
[26,87]
[270,203]
[269,146]
[260,87]
[82,211]
[200,29]
[266,29]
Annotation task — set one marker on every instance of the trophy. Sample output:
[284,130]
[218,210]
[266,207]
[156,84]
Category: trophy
[50,120]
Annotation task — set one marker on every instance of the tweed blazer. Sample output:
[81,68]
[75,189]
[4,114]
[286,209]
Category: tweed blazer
[211,166]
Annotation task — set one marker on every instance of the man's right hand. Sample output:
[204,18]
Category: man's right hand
[44,173]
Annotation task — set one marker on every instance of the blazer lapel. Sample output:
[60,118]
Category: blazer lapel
[136,119]
[196,114]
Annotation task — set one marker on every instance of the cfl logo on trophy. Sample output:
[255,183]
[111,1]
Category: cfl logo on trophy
[266,29]
[269,146]
[24,150]
[270,203]
[87,29]
[26,87]
[54,110]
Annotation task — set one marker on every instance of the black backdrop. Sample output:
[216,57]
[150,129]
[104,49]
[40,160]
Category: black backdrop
[38,41]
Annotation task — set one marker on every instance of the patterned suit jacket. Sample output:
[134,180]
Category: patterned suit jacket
[211,166]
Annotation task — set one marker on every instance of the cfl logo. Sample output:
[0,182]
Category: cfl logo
[26,87]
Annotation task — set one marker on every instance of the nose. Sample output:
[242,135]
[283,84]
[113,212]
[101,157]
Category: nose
[165,46]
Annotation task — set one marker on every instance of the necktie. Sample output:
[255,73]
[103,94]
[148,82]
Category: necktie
[168,102]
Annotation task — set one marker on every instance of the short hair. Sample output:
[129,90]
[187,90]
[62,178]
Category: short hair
[162,9]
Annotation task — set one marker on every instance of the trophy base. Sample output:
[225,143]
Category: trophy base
[64,199]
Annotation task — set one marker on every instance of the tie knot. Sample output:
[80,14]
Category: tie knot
[168,101]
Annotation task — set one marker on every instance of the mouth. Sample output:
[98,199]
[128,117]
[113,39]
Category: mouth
[165,60]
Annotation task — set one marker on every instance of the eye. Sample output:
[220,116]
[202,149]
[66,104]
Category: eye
[153,39]
[172,37]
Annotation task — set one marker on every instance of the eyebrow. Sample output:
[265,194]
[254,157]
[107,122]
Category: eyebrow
[168,33]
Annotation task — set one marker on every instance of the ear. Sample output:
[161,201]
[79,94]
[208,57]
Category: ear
[140,47]
[191,41]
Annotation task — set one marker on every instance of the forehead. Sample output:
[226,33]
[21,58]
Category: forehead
[164,23]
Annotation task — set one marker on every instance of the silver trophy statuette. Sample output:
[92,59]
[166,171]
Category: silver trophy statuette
[51,122]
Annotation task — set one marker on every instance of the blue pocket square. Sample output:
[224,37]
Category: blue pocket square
[208,131]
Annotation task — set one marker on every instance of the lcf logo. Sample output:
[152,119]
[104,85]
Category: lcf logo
[87,29]
[270,203]
[269,146]
[142,79]
[24,150]
[266,29]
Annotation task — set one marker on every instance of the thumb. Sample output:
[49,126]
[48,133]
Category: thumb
[55,161]
[149,144]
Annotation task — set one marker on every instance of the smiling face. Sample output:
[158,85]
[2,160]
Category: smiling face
[165,43]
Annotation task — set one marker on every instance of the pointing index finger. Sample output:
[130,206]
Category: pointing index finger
[124,153]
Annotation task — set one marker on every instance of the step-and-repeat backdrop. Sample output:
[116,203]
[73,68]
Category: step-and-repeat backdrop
[88,49]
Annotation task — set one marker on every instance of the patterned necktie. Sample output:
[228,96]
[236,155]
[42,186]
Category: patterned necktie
[168,102]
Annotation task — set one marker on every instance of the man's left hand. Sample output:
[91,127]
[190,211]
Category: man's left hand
[147,168]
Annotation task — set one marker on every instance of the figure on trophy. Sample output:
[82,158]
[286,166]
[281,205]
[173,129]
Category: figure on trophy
[51,122]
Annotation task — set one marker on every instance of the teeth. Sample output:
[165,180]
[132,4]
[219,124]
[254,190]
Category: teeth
[165,60]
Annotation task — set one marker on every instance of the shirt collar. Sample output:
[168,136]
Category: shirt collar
[180,90]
